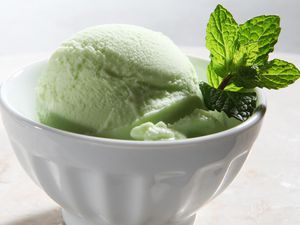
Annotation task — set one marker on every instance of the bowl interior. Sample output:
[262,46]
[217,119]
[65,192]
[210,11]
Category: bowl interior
[18,92]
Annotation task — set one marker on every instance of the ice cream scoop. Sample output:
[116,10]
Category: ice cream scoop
[107,79]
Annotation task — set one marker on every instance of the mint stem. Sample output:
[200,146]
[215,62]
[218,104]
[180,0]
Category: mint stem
[225,82]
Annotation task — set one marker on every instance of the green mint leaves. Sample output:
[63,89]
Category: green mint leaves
[221,38]
[239,62]
[257,37]
[277,74]
[239,105]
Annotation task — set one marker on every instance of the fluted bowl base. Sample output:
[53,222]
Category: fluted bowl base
[71,219]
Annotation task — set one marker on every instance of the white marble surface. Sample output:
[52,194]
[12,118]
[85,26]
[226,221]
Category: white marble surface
[267,190]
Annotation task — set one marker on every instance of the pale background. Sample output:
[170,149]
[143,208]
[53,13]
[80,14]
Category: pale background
[29,26]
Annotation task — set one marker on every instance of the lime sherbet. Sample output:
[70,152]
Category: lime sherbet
[199,123]
[153,132]
[107,79]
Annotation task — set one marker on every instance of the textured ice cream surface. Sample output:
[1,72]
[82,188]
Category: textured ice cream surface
[198,123]
[107,79]
[201,122]
[153,132]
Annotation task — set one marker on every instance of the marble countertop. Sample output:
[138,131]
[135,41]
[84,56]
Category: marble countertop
[266,191]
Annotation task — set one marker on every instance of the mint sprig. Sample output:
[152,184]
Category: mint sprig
[239,61]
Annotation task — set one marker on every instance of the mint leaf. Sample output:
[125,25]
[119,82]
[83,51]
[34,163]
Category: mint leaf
[277,74]
[221,35]
[246,77]
[214,80]
[239,105]
[245,56]
[257,38]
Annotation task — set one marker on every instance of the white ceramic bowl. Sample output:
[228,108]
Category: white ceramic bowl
[100,181]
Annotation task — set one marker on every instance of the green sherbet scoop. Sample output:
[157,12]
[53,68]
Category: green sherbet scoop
[107,79]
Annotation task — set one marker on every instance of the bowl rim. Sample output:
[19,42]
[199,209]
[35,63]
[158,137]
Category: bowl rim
[257,116]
